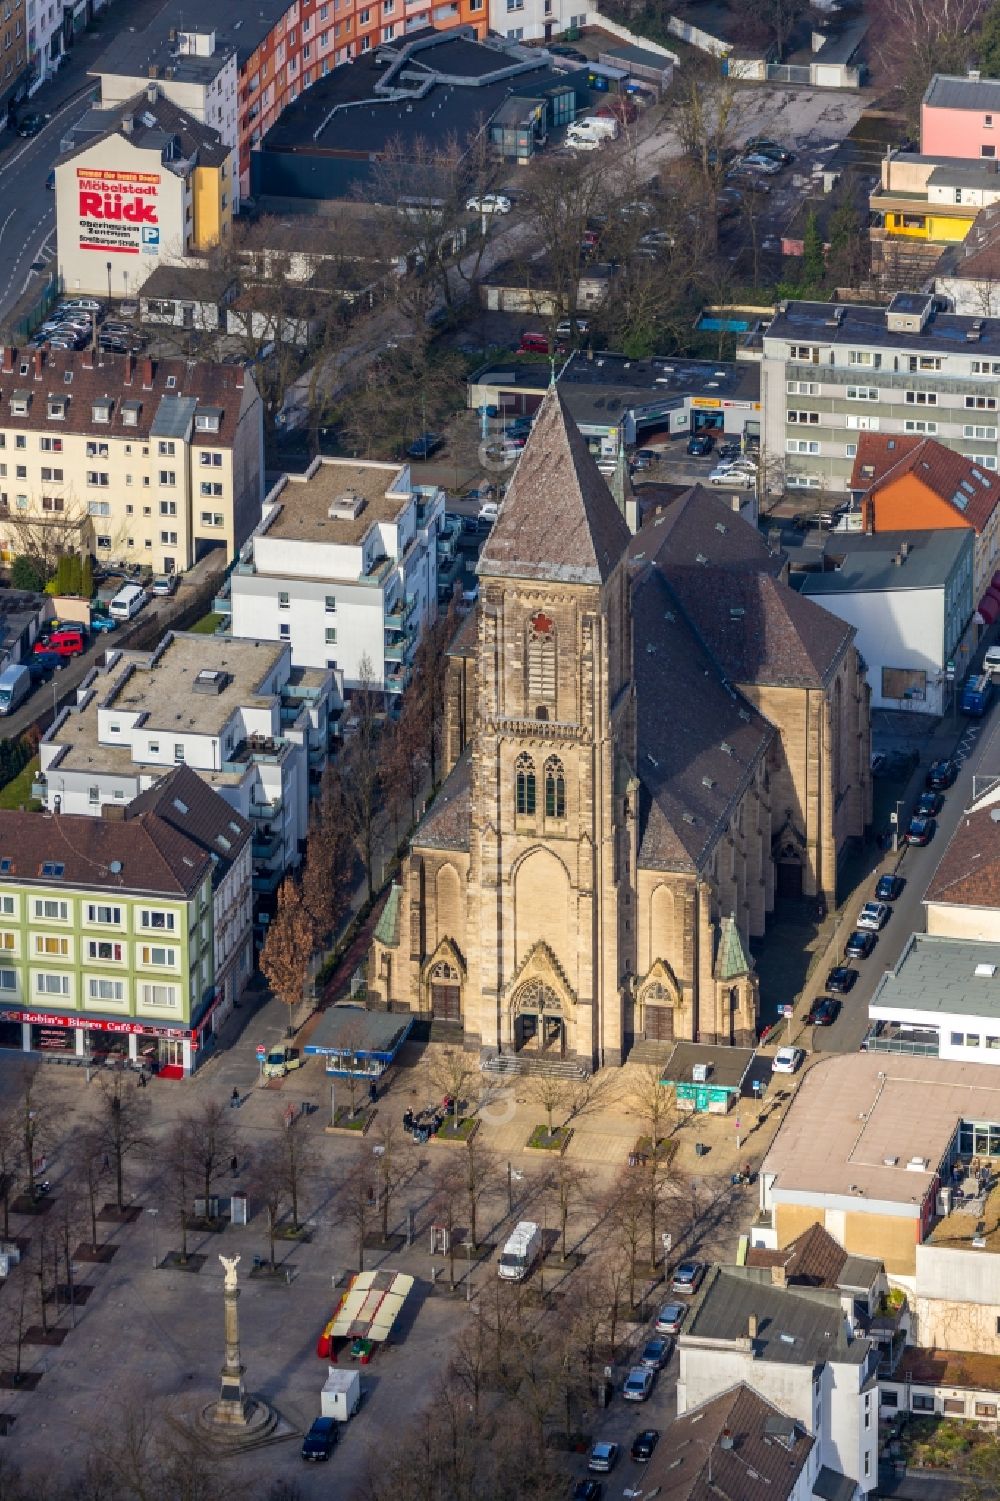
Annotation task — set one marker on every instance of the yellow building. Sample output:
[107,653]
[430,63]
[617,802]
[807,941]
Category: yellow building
[924,203]
[152,462]
[147,185]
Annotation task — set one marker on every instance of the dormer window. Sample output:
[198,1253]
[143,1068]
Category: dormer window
[130,413]
[208,420]
[101,411]
[24,367]
[57,408]
[19,403]
[171,382]
[68,377]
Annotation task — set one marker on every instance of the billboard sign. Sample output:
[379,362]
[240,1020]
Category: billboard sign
[118,211]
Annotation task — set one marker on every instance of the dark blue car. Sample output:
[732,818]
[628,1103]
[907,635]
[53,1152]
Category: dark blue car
[319,1441]
[699,444]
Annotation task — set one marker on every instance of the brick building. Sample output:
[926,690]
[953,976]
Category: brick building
[649,738]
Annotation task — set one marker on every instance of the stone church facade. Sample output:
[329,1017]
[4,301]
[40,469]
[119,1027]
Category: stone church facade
[620,802]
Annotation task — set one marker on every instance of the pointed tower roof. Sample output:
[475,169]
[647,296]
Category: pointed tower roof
[621,483]
[558,521]
[731,960]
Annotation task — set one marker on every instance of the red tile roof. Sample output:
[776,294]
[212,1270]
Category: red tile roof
[144,854]
[881,460]
[968,874]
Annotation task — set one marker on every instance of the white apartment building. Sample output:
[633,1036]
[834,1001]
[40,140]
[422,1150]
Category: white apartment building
[829,372]
[535,20]
[253,727]
[796,1348]
[143,461]
[45,38]
[196,69]
[343,567]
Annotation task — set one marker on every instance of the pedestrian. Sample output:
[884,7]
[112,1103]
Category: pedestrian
[234,1165]
[107,1163]
[234,1098]
[372,1092]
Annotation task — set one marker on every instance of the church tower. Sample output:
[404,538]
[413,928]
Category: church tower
[550,919]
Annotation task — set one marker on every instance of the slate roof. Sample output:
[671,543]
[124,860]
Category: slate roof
[694,766]
[867,564]
[558,521]
[968,873]
[957,91]
[145,383]
[762,1460]
[978,255]
[445,825]
[815,1259]
[795,1325]
[194,138]
[193,808]
[972,491]
[152,855]
[725,579]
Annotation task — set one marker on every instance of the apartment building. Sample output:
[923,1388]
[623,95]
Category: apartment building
[240,68]
[796,1348]
[143,185]
[254,728]
[922,204]
[143,461]
[831,372]
[15,73]
[960,116]
[183,802]
[106,941]
[46,37]
[344,567]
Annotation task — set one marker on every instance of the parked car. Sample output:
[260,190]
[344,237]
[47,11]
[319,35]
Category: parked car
[489,511]
[824,1013]
[489,203]
[699,444]
[940,776]
[841,979]
[42,663]
[638,1384]
[687,1277]
[164,583]
[991,661]
[424,446]
[787,1061]
[30,125]
[560,49]
[564,328]
[656,1353]
[921,830]
[85,304]
[889,888]
[759,163]
[587,1490]
[874,915]
[103,623]
[670,1318]
[603,1457]
[860,944]
[319,1441]
[929,804]
[737,479]
[643,1445]
[764,146]
[62,643]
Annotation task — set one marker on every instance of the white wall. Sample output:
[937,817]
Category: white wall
[963,922]
[947,1023]
[976,299]
[214,103]
[901,628]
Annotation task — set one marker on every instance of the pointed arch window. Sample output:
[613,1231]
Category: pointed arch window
[541,657]
[524,785]
[555,789]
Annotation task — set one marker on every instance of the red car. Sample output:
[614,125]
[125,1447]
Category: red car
[65,643]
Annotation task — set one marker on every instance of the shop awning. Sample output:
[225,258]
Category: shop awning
[368,1309]
[989,607]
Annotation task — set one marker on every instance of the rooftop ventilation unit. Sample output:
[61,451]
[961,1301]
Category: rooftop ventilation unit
[346,507]
[210,680]
[985,971]
[917,1165]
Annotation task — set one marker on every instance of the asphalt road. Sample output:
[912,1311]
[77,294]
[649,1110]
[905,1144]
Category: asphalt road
[979,750]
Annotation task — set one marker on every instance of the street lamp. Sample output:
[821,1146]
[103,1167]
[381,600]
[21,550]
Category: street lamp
[895,825]
[109,283]
[156,1258]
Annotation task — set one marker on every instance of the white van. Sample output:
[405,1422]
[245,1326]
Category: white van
[127,602]
[521,1251]
[991,661]
[15,685]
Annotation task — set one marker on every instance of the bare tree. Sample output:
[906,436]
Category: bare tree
[482,1176]
[326,870]
[430,675]
[88,1157]
[358,1200]
[914,40]
[453,1071]
[361,769]
[34,1119]
[704,115]
[298,1155]
[653,1102]
[213,1137]
[449,1187]
[181,1169]
[269,1182]
[11,1151]
[124,1119]
[551,1092]
[390,1169]
[566,1185]
[287,951]
[625,1213]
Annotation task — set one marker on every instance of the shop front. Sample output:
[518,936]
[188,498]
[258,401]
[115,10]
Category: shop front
[170,1052]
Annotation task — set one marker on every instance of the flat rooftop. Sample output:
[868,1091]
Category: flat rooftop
[162,686]
[611,383]
[946,975]
[857,563]
[343,1029]
[866,327]
[727,1067]
[303,505]
[857,1120]
[961,1368]
[978,1219]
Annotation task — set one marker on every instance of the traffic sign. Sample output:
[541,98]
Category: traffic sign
[261,1050]
[787,1010]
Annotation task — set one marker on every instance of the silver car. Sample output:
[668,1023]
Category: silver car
[638,1384]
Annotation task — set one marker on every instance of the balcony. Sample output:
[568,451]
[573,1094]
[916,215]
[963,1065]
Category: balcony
[266,882]
[449,574]
[397,678]
[266,810]
[266,845]
[890,1037]
[398,619]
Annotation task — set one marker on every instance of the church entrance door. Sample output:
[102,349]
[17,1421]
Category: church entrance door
[538,1021]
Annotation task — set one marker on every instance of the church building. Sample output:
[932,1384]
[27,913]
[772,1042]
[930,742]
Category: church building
[648,737]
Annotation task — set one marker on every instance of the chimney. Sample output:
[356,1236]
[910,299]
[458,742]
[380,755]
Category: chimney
[9,354]
[752,1326]
[152,93]
[779,1276]
[128,121]
[898,558]
[904,550]
[129,368]
[869,510]
[39,357]
[113,812]
[88,362]
[726,1439]
[147,374]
